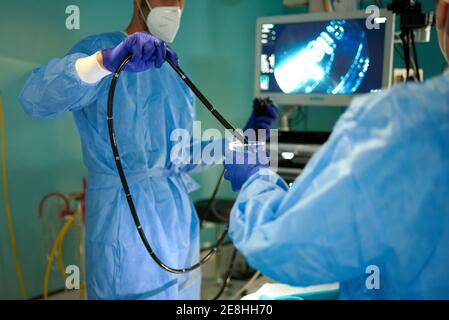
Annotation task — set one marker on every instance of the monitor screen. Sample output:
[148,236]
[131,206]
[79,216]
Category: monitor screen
[326,57]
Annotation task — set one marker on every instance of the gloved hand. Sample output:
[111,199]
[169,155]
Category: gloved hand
[238,173]
[266,121]
[148,52]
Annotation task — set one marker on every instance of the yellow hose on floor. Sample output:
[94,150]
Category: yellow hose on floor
[61,263]
[57,250]
[8,208]
[328,6]
[57,244]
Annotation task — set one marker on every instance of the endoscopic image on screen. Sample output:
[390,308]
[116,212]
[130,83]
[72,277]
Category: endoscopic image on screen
[326,57]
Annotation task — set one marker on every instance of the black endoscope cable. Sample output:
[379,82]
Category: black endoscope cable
[124,182]
[239,137]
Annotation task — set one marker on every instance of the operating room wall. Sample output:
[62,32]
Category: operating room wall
[42,155]
[216,47]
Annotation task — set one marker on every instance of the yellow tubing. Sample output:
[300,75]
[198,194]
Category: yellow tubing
[61,264]
[8,208]
[59,245]
[328,5]
[59,238]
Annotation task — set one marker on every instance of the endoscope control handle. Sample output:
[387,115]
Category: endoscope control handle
[260,106]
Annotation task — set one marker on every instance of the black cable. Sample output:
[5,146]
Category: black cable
[415,56]
[401,54]
[406,48]
[124,182]
[408,56]
[259,107]
[228,277]
[206,102]
[211,202]
[225,244]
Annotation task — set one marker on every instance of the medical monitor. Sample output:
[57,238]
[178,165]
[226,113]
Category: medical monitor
[323,59]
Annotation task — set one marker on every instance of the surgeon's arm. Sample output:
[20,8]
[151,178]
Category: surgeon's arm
[310,234]
[66,84]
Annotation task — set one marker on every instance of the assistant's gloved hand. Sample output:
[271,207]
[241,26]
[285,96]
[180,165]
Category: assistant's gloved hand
[263,121]
[241,166]
[148,52]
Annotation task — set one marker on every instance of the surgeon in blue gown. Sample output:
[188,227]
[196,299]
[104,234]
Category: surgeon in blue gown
[149,106]
[371,209]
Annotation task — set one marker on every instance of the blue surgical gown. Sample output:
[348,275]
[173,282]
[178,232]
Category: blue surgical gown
[148,107]
[376,194]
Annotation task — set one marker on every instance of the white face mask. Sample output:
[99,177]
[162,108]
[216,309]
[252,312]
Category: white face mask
[164,22]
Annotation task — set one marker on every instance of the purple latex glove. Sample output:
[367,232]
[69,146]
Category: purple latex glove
[148,52]
[265,121]
[239,171]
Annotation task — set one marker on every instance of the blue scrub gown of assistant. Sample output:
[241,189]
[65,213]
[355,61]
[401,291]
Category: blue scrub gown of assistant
[376,194]
[148,107]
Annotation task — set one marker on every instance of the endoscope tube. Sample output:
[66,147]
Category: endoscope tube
[124,182]
[228,276]
[206,102]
